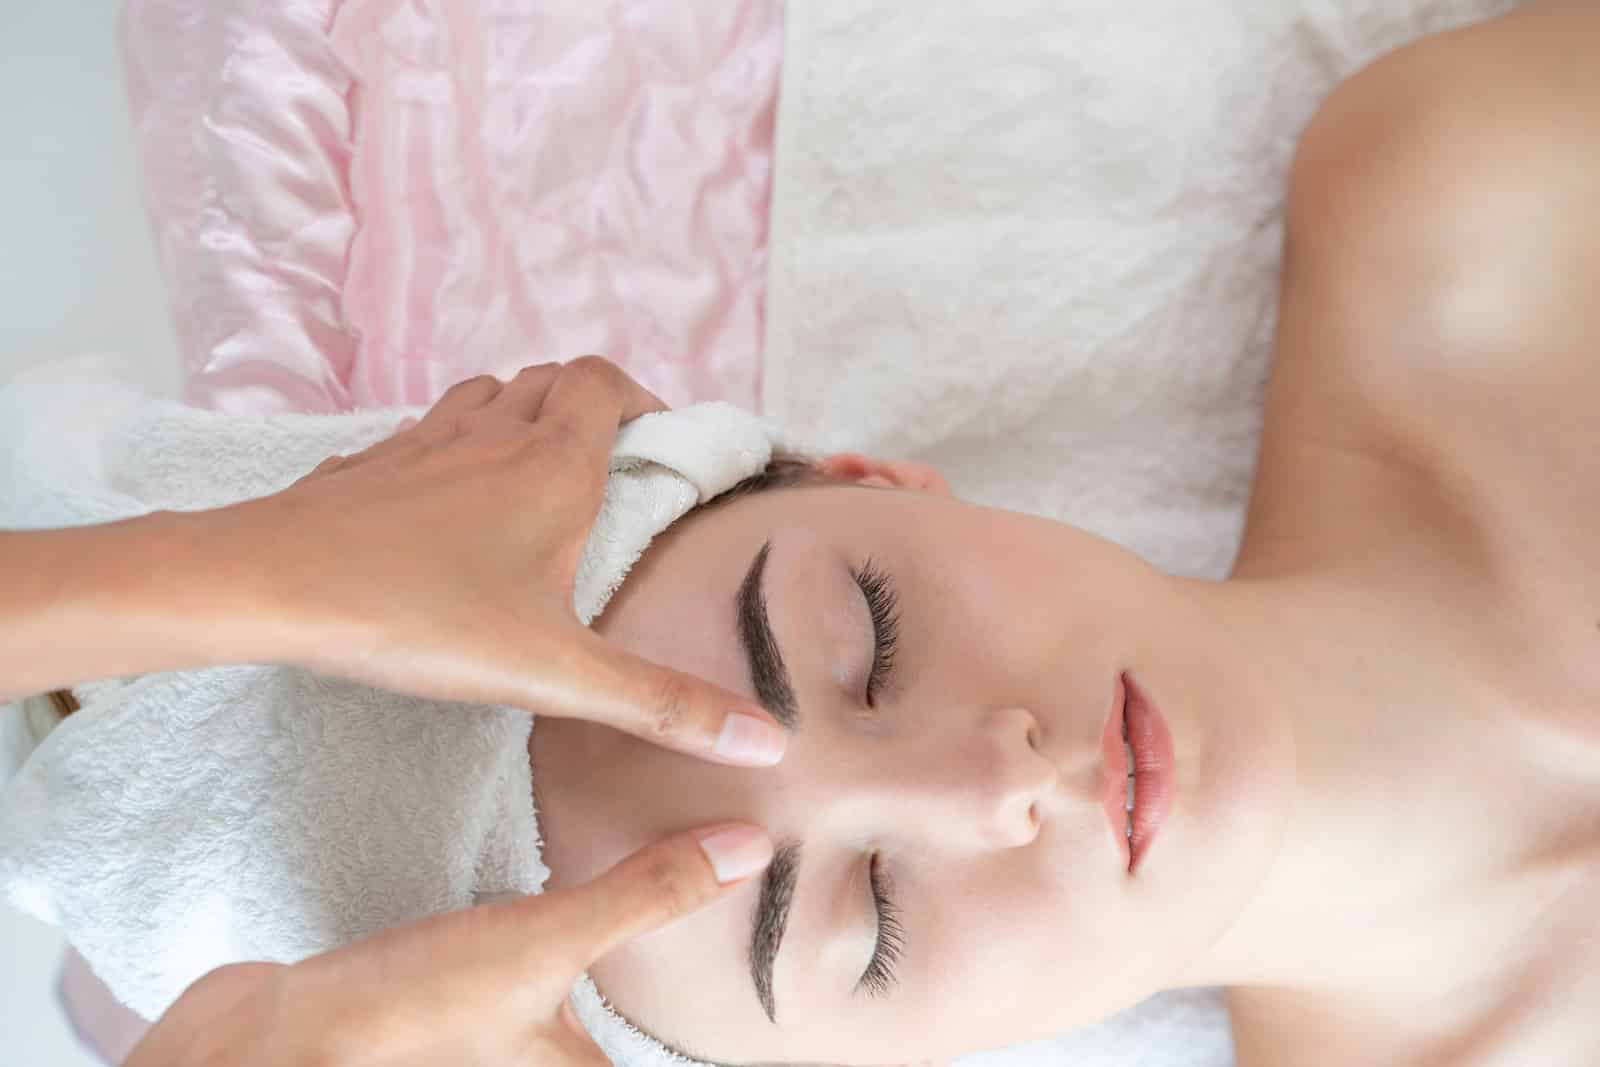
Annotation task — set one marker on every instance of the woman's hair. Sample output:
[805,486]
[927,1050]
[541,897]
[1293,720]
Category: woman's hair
[783,471]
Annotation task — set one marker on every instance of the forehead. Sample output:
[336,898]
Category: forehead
[827,509]
[717,543]
[678,604]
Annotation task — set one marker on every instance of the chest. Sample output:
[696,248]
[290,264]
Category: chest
[1550,1013]
[1506,540]
[1536,961]
[1531,1000]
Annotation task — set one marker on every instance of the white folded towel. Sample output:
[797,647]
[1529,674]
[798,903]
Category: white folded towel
[23,725]
[182,821]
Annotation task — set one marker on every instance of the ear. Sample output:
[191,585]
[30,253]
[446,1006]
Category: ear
[884,473]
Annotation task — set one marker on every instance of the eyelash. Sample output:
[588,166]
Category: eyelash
[879,976]
[884,606]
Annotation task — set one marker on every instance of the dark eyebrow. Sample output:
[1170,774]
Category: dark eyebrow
[767,669]
[772,917]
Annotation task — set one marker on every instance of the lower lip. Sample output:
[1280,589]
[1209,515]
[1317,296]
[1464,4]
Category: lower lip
[1153,766]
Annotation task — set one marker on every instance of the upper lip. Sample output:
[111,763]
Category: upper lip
[1152,750]
[1114,770]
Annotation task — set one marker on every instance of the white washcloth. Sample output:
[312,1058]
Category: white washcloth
[183,821]
[1036,244]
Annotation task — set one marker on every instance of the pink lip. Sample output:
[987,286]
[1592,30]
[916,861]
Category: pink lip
[1153,765]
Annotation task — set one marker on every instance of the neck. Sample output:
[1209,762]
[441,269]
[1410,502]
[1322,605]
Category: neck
[1374,871]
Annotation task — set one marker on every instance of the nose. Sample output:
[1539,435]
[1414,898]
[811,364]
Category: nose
[976,782]
[1009,781]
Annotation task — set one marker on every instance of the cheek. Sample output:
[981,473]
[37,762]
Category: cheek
[1023,595]
[1036,952]
[1008,633]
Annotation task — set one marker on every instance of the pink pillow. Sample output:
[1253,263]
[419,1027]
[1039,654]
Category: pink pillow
[358,202]
[244,139]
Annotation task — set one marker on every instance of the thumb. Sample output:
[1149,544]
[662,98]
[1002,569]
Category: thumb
[607,684]
[661,883]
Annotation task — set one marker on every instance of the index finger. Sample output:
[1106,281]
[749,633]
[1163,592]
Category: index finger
[589,399]
[662,883]
[604,683]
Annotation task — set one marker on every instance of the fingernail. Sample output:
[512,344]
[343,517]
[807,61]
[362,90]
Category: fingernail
[736,852]
[751,741]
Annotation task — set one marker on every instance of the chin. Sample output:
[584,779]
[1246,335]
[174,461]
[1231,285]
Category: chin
[1232,790]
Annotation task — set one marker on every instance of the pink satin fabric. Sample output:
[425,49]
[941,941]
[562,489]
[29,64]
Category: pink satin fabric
[243,136]
[359,202]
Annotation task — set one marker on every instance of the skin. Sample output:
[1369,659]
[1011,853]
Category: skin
[1386,721]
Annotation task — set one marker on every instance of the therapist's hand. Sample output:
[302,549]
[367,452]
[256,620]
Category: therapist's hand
[441,562]
[485,987]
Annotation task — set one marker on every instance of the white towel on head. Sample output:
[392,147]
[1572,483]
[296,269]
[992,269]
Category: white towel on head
[187,820]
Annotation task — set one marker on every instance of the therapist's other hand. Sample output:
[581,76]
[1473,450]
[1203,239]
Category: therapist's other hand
[442,560]
[484,987]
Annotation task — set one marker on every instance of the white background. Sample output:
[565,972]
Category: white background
[77,274]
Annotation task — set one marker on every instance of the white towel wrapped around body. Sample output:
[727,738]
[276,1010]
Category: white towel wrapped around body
[186,820]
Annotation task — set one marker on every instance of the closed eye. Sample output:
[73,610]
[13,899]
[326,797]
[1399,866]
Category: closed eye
[884,606]
[879,978]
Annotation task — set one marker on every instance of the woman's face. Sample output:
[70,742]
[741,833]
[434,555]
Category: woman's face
[951,880]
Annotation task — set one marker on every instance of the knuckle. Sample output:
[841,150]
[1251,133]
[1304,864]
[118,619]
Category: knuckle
[474,386]
[450,426]
[561,438]
[556,443]
[229,975]
[559,444]
[670,701]
[597,367]
[671,882]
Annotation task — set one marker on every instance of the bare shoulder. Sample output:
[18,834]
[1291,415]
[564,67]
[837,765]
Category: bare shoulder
[1438,349]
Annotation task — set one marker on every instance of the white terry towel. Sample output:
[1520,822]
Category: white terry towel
[186,820]
[1035,244]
